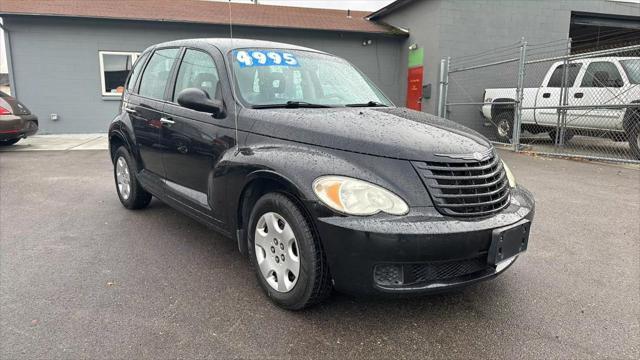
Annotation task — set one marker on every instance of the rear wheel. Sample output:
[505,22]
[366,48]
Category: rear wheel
[288,258]
[130,192]
[504,127]
[634,139]
[8,142]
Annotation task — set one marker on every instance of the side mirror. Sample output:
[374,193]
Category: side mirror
[198,100]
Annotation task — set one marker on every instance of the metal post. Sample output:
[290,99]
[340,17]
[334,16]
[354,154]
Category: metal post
[565,95]
[446,87]
[563,99]
[517,121]
[9,52]
[441,88]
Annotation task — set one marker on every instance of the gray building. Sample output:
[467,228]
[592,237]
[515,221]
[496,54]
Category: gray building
[68,63]
[457,28]
[70,58]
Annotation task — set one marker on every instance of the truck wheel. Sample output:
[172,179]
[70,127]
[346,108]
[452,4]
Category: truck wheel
[568,135]
[504,127]
[634,139]
[288,259]
[130,192]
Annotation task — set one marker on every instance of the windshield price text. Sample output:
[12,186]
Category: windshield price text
[247,58]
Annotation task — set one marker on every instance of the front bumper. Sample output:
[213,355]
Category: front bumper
[423,241]
[17,126]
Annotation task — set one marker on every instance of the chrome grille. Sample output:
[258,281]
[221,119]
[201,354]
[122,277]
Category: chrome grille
[465,187]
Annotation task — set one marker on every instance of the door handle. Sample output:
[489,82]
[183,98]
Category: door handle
[546,95]
[167,121]
[578,95]
[130,110]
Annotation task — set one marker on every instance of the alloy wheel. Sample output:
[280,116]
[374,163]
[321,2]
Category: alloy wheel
[276,250]
[123,178]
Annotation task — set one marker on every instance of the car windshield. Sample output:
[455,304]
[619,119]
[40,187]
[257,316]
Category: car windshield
[289,78]
[632,68]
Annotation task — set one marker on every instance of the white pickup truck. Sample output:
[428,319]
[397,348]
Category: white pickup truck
[592,81]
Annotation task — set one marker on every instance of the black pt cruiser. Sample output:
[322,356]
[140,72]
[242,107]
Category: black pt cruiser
[322,181]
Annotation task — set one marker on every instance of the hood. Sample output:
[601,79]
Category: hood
[390,132]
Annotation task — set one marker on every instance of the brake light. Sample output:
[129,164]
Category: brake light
[4,111]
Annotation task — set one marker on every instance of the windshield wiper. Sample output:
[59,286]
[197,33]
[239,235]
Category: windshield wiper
[367,104]
[290,105]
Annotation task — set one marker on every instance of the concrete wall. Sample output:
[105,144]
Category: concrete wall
[462,27]
[56,66]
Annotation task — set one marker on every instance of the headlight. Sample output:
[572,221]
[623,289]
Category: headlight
[357,197]
[510,177]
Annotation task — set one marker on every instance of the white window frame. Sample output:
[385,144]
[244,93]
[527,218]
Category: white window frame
[134,56]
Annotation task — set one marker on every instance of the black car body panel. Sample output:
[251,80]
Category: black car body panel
[210,167]
[390,132]
[19,122]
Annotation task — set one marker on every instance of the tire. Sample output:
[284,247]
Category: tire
[568,135]
[130,192]
[634,139]
[504,127]
[8,142]
[274,220]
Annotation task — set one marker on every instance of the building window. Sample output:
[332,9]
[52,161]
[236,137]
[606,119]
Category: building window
[114,68]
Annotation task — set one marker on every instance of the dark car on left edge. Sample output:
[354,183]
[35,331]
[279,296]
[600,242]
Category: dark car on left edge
[16,121]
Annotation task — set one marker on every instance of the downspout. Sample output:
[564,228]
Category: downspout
[7,46]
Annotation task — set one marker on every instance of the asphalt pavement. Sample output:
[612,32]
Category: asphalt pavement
[81,277]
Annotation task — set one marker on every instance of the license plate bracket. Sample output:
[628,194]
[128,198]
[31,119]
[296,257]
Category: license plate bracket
[509,241]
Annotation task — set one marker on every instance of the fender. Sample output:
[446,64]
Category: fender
[122,131]
[294,166]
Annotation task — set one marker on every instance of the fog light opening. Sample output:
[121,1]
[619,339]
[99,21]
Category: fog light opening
[388,275]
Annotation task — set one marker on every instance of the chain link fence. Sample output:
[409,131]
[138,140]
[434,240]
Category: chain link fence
[557,98]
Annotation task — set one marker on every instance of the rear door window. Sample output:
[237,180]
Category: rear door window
[556,78]
[157,73]
[602,74]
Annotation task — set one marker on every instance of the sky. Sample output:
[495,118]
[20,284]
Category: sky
[368,5]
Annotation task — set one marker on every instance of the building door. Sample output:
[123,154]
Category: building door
[414,79]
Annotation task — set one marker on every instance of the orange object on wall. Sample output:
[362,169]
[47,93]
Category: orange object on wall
[414,88]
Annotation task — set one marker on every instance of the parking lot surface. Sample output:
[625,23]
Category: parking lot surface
[80,276]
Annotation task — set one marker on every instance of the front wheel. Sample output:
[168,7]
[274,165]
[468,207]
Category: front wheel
[288,258]
[504,127]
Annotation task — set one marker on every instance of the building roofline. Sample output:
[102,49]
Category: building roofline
[247,15]
[393,31]
[387,9]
